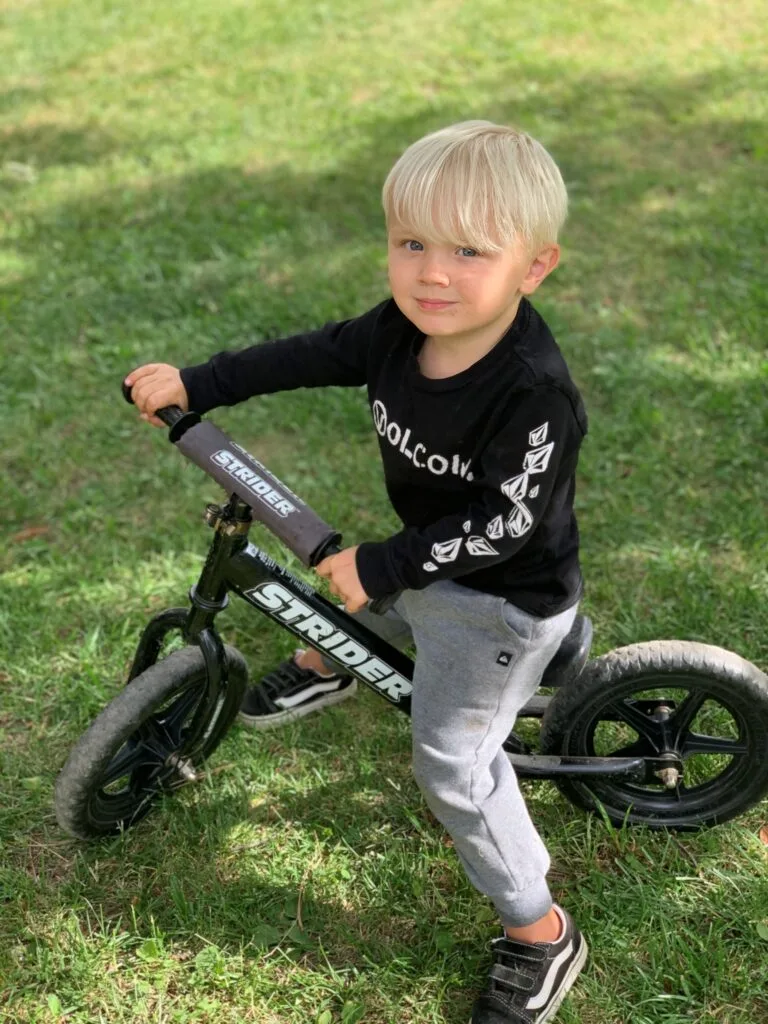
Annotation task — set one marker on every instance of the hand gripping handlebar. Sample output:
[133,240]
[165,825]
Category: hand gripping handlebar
[238,472]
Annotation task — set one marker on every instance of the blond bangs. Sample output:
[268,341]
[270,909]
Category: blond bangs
[476,184]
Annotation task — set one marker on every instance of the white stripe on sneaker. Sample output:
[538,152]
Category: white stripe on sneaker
[546,989]
[280,718]
[312,691]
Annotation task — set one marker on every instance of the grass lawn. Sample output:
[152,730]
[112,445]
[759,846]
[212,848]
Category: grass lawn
[176,178]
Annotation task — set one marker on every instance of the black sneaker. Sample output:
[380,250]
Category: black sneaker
[528,981]
[289,693]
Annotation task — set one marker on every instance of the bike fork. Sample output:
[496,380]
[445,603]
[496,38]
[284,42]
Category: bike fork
[196,623]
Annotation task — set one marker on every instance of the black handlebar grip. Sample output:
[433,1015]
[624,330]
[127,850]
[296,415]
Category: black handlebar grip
[171,415]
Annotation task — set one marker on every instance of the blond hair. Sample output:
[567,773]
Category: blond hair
[479,184]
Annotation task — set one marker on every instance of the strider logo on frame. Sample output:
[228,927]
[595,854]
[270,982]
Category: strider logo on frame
[286,607]
[260,489]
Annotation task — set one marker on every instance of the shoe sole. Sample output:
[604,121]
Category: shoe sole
[281,718]
[565,984]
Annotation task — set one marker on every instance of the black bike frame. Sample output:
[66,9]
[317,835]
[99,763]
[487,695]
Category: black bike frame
[234,564]
[328,628]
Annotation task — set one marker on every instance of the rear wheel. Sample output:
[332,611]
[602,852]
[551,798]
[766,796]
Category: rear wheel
[138,749]
[697,714]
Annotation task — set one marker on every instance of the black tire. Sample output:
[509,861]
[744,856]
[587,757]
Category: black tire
[134,736]
[587,717]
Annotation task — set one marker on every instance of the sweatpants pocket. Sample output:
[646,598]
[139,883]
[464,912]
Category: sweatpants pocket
[522,624]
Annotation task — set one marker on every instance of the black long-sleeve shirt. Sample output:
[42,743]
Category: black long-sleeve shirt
[479,466]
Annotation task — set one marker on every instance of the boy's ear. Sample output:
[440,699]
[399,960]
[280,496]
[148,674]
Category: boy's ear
[543,263]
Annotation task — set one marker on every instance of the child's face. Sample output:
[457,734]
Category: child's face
[447,290]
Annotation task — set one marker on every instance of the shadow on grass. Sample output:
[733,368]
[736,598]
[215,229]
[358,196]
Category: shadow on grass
[665,233]
[177,268]
[185,878]
[663,251]
[333,863]
[163,248]
[42,146]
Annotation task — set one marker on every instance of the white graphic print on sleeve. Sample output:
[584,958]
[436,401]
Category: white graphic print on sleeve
[535,461]
[538,436]
[495,528]
[519,520]
[447,551]
[516,488]
[480,546]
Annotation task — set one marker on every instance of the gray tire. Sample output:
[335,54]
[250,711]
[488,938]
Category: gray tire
[120,765]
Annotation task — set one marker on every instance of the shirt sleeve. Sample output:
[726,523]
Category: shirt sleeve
[335,354]
[512,485]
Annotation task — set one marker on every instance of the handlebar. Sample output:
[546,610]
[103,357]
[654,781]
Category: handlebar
[173,416]
[272,503]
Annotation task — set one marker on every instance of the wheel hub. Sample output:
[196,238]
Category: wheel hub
[183,767]
[668,767]
[670,777]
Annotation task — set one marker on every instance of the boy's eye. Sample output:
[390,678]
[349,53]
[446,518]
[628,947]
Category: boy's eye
[466,251]
[412,245]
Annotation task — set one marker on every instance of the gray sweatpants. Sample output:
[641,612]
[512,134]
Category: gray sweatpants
[479,659]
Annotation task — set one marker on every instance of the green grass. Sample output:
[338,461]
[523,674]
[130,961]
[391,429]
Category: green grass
[180,178]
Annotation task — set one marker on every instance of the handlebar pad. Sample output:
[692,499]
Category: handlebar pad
[272,503]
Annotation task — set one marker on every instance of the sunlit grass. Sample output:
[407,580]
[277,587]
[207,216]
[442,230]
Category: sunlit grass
[180,178]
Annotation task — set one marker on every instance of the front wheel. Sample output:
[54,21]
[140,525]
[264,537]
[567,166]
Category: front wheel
[136,749]
[699,716]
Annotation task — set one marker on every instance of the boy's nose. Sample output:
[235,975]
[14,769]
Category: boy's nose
[432,271]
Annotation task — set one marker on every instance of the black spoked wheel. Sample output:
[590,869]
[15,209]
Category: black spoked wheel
[697,714]
[137,748]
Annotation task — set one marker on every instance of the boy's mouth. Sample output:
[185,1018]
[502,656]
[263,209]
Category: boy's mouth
[430,305]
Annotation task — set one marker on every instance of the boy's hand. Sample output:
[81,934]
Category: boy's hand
[154,386]
[341,570]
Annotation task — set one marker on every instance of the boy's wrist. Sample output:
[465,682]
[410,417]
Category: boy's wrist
[375,571]
[198,385]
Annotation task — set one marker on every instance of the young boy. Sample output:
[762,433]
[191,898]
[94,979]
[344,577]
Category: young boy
[479,427]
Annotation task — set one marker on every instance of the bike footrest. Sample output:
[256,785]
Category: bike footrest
[548,766]
[535,707]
